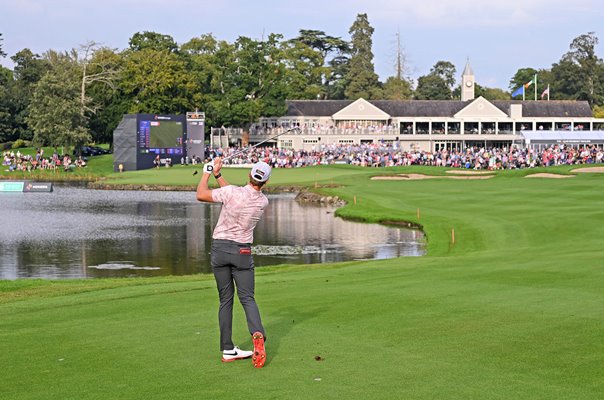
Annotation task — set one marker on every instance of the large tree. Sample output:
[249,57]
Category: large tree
[28,69]
[580,73]
[397,89]
[2,53]
[335,56]
[253,82]
[488,93]
[157,81]
[152,40]
[362,81]
[7,125]
[207,61]
[438,84]
[104,103]
[305,71]
[55,112]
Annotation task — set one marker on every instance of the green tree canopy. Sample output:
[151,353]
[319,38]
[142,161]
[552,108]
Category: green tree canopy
[105,102]
[327,67]
[55,113]
[304,71]
[521,77]
[397,89]
[152,40]
[362,81]
[438,84]
[28,69]
[580,73]
[7,124]
[491,93]
[157,81]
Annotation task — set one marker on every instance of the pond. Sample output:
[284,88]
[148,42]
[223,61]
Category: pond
[81,233]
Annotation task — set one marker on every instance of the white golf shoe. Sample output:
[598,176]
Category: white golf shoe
[235,354]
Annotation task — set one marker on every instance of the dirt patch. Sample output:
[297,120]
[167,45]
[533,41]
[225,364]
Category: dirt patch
[554,176]
[597,170]
[465,172]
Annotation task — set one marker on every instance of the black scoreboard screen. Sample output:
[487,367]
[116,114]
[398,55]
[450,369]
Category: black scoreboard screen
[160,135]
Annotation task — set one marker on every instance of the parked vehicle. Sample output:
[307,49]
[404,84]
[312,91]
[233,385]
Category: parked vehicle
[88,151]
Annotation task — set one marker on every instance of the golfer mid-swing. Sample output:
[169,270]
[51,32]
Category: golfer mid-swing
[231,258]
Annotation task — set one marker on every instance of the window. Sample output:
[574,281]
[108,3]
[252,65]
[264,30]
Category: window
[487,128]
[422,128]
[438,128]
[470,128]
[505,128]
[406,127]
[453,128]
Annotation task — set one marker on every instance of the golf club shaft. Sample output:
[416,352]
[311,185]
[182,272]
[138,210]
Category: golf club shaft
[258,144]
[211,167]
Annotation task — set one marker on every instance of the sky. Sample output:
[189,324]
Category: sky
[498,37]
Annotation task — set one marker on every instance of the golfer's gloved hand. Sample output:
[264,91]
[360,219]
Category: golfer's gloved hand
[208,168]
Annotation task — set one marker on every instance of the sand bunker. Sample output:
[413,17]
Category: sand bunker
[403,177]
[469,172]
[480,176]
[599,170]
[416,177]
[554,176]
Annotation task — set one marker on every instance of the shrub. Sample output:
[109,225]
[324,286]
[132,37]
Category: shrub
[6,146]
[19,143]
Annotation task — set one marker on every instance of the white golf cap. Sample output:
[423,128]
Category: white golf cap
[261,171]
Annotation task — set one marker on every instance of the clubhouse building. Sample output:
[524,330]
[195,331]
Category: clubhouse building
[426,125]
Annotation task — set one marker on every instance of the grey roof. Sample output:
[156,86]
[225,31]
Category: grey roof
[441,108]
[315,108]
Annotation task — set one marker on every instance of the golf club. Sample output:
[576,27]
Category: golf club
[210,168]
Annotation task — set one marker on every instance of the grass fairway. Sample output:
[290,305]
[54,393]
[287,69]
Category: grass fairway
[514,309]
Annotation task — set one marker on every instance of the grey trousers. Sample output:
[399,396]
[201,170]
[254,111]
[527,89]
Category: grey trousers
[233,266]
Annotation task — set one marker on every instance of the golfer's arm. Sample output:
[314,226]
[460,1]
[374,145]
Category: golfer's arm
[204,193]
[221,181]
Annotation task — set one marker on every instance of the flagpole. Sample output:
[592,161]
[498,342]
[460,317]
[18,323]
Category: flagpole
[548,92]
[523,92]
[535,87]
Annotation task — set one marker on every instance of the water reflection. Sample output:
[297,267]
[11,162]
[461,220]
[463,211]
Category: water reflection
[75,232]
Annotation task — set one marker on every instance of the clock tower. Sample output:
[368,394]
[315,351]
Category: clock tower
[467,83]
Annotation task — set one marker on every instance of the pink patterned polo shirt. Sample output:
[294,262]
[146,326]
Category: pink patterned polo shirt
[242,208]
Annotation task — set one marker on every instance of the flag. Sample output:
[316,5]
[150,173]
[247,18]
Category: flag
[518,91]
[545,92]
[532,81]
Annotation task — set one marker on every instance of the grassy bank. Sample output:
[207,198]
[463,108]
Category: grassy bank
[512,310]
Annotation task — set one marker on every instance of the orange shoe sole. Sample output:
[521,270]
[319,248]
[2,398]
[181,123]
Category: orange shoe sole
[259,356]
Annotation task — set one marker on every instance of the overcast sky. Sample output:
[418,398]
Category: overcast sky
[498,36]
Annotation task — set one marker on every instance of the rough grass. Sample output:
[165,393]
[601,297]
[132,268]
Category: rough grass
[511,310]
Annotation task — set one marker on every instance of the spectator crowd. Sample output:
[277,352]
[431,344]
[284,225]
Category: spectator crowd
[387,155]
[17,161]
[369,155]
